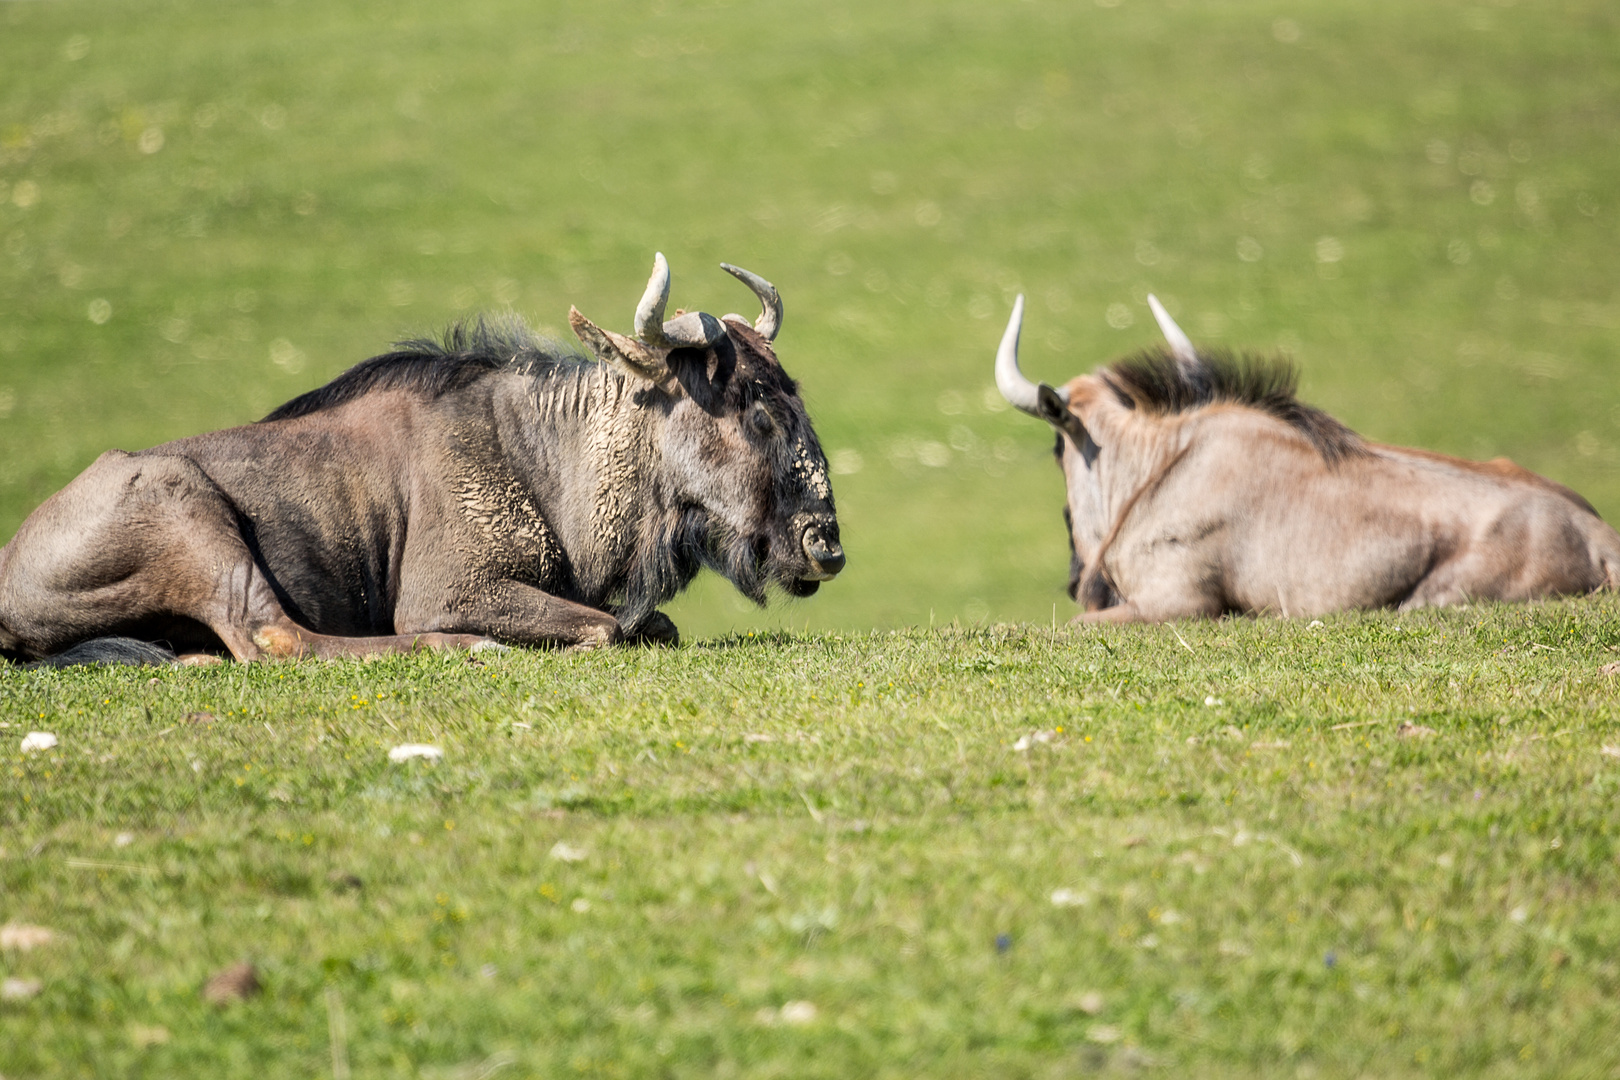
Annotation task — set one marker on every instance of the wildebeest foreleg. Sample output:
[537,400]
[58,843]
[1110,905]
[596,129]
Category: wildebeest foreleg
[514,612]
[1119,613]
[287,640]
[1156,607]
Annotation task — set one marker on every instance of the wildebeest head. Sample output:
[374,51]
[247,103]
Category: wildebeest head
[1077,452]
[739,457]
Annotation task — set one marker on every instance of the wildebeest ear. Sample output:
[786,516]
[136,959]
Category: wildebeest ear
[1055,411]
[629,357]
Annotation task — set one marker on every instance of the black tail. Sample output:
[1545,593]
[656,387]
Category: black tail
[107,650]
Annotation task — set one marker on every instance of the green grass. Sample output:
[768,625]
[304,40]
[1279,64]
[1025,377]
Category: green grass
[1265,876]
[256,196]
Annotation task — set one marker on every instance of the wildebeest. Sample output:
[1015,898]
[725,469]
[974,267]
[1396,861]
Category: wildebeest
[1198,485]
[489,486]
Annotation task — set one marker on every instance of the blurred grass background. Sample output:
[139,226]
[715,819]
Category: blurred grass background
[207,208]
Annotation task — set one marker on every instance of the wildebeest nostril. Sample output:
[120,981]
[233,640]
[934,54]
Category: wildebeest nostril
[830,559]
[826,556]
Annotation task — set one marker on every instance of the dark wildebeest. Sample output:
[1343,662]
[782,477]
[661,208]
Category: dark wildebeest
[1199,485]
[492,487]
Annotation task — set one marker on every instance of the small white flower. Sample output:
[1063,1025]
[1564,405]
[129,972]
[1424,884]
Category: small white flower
[563,851]
[407,751]
[1022,744]
[1519,914]
[1069,898]
[580,905]
[38,740]
[755,737]
[1610,751]
[1105,1034]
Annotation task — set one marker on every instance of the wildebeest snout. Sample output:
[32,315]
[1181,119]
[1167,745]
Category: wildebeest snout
[821,547]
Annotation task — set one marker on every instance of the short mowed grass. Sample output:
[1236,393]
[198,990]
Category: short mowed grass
[1383,845]
[796,846]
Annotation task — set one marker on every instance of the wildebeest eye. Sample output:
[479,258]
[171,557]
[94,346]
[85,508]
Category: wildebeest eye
[761,420]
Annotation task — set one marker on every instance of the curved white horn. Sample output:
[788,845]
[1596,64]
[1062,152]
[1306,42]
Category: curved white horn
[1020,393]
[650,312]
[1181,346]
[769,323]
[694,329]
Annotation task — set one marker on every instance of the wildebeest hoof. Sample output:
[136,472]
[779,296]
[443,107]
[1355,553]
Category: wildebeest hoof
[656,629]
[279,642]
[597,637]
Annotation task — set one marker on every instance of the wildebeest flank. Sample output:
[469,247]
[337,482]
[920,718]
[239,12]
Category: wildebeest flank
[1198,484]
[491,485]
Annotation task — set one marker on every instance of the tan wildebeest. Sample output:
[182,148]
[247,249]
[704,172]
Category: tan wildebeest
[491,486]
[1199,485]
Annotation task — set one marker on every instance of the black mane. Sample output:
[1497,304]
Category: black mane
[1156,382]
[469,350]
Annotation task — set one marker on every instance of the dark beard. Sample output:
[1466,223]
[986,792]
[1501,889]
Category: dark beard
[686,540]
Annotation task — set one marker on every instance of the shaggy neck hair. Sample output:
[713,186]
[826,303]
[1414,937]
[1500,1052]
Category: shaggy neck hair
[1157,383]
[468,351]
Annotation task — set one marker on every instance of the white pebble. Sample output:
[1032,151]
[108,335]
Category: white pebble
[407,751]
[15,989]
[38,740]
[798,1012]
[562,851]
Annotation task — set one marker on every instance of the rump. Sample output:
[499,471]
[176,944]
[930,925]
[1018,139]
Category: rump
[1528,548]
[1605,546]
[129,540]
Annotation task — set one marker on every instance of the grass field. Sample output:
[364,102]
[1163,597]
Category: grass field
[911,827]
[1226,858]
